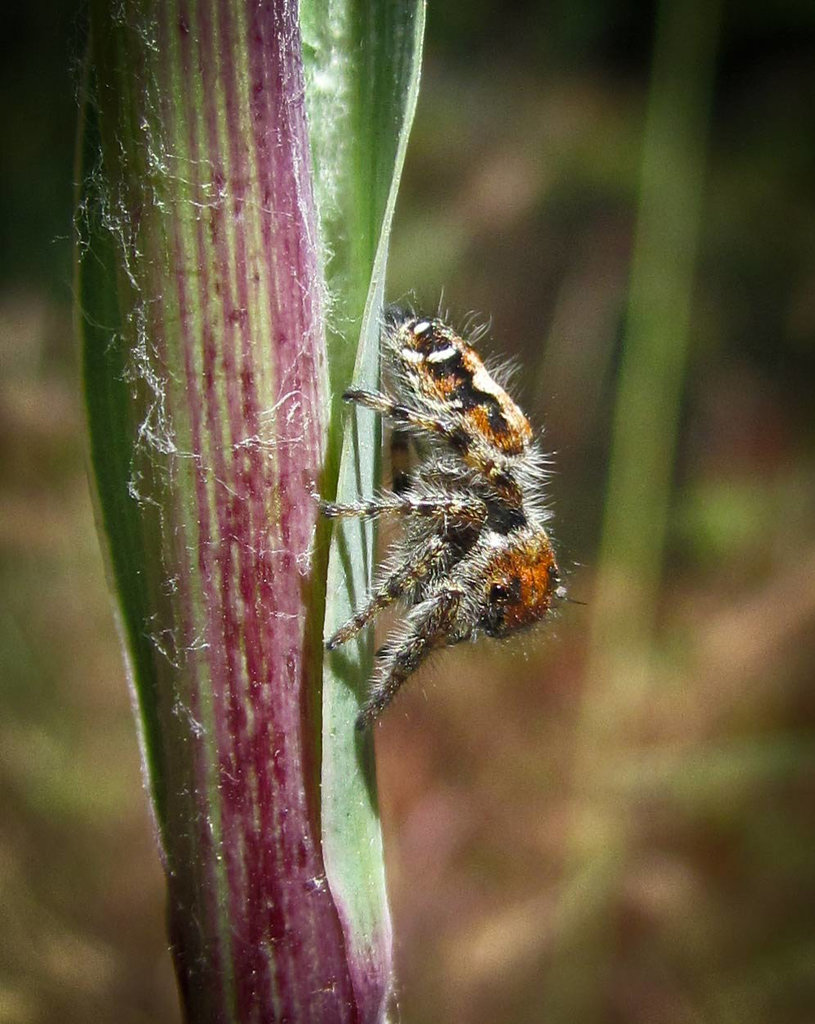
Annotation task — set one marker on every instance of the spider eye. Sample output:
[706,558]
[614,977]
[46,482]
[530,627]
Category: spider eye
[498,593]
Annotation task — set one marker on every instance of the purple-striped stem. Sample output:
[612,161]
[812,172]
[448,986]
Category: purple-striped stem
[204,355]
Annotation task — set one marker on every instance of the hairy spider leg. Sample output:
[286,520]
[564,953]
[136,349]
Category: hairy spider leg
[434,506]
[390,590]
[427,626]
[404,415]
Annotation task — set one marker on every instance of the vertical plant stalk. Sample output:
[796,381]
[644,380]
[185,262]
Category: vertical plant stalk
[201,312]
[644,433]
[362,62]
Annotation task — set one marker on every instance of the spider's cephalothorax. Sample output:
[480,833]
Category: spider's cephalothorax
[474,557]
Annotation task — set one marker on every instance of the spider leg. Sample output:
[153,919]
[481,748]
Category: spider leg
[434,506]
[391,589]
[428,625]
[407,417]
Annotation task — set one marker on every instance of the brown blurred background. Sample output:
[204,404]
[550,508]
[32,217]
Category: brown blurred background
[612,820]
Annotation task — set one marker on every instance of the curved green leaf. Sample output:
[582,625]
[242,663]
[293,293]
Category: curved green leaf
[362,62]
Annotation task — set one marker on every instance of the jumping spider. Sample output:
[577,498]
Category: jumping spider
[475,557]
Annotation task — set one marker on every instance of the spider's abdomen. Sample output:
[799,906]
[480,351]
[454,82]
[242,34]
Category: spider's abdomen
[438,365]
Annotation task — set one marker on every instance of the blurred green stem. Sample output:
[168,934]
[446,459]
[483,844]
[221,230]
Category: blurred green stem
[644,435]
[646,414]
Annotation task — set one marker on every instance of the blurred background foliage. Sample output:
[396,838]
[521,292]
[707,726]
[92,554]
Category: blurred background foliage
[613,819]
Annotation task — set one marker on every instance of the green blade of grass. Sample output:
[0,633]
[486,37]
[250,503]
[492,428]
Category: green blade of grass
[361,110]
